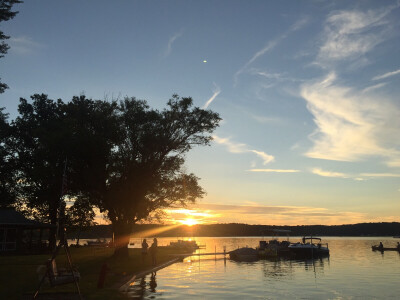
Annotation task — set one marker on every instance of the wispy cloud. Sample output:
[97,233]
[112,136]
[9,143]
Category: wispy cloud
[264,156]
[171,42]
[23,45]
[351,125]
[352,33]
[320,172]
[274,170]
[374,87]
[243,148]
[271,45]
[386,75]
[380,175]
[216,92]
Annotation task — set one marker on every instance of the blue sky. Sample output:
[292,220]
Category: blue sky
[308,92]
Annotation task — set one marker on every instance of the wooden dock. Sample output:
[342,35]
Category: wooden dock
[199,254]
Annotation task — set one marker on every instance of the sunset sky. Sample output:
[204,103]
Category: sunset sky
[308,92]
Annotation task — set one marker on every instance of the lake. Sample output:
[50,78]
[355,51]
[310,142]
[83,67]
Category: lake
[352,271]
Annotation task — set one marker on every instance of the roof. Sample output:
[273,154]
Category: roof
[9,216]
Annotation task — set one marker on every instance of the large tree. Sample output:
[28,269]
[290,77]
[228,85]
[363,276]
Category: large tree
[146,173]
[6,14]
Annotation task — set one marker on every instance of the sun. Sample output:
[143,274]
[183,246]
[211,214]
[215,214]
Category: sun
[189,222]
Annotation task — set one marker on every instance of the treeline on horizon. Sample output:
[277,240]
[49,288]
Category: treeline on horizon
[235,229]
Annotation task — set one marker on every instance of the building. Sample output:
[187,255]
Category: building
[19,235]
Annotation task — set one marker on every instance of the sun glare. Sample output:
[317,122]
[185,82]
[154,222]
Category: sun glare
[189,222]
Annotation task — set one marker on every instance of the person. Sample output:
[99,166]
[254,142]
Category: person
[144,247]
[153,251]
[380,245]
[398,246]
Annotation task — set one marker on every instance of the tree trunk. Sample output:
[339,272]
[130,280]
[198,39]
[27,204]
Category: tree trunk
[122,230]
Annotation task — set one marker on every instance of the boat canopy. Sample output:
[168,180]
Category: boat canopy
[311,238]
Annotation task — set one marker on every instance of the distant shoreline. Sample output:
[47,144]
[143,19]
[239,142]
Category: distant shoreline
[244,230]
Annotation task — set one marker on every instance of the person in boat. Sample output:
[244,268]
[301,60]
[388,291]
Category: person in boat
[380,246]
[153,251]
[145,246]
[398,246]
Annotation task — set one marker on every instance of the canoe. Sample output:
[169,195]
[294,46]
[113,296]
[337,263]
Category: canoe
[376,248]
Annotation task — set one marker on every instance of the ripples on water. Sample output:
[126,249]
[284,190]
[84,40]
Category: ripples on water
[352,271]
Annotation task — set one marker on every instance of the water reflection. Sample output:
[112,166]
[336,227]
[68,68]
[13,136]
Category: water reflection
[142,290]
[351,271]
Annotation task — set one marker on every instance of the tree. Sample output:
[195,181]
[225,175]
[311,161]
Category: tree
[146,168]
[5,15]
[7,186]
[48,133]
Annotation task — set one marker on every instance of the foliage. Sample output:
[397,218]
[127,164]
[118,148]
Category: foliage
[146,171]
[6,14]
[39,145]
[7,187]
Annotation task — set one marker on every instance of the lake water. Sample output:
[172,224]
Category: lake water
[352,271]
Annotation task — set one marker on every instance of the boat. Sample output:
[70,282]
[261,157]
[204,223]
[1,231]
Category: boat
[244,254]
[377,248]
[184,245]
[307,248]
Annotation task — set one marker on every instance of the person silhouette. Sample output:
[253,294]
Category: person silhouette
[145,246]
[153,251]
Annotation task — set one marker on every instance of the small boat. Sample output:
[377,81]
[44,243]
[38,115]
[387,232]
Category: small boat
[184,245]
[244,254]
[309,249]
[377,248]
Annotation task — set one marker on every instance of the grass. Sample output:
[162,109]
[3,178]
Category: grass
[18,275]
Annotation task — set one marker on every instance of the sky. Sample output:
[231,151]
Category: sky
[308,92]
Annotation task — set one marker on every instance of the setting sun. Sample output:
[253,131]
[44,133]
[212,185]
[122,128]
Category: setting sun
[189,222]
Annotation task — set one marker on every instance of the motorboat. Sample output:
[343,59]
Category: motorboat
[309,247]
[184,244]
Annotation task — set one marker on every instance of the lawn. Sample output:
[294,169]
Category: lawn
[18,275]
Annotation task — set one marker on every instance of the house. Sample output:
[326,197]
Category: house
[19,235]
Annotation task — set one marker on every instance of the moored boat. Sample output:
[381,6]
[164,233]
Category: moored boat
[307,248]
[186,245]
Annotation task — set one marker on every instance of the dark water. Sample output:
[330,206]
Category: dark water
[352,271]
